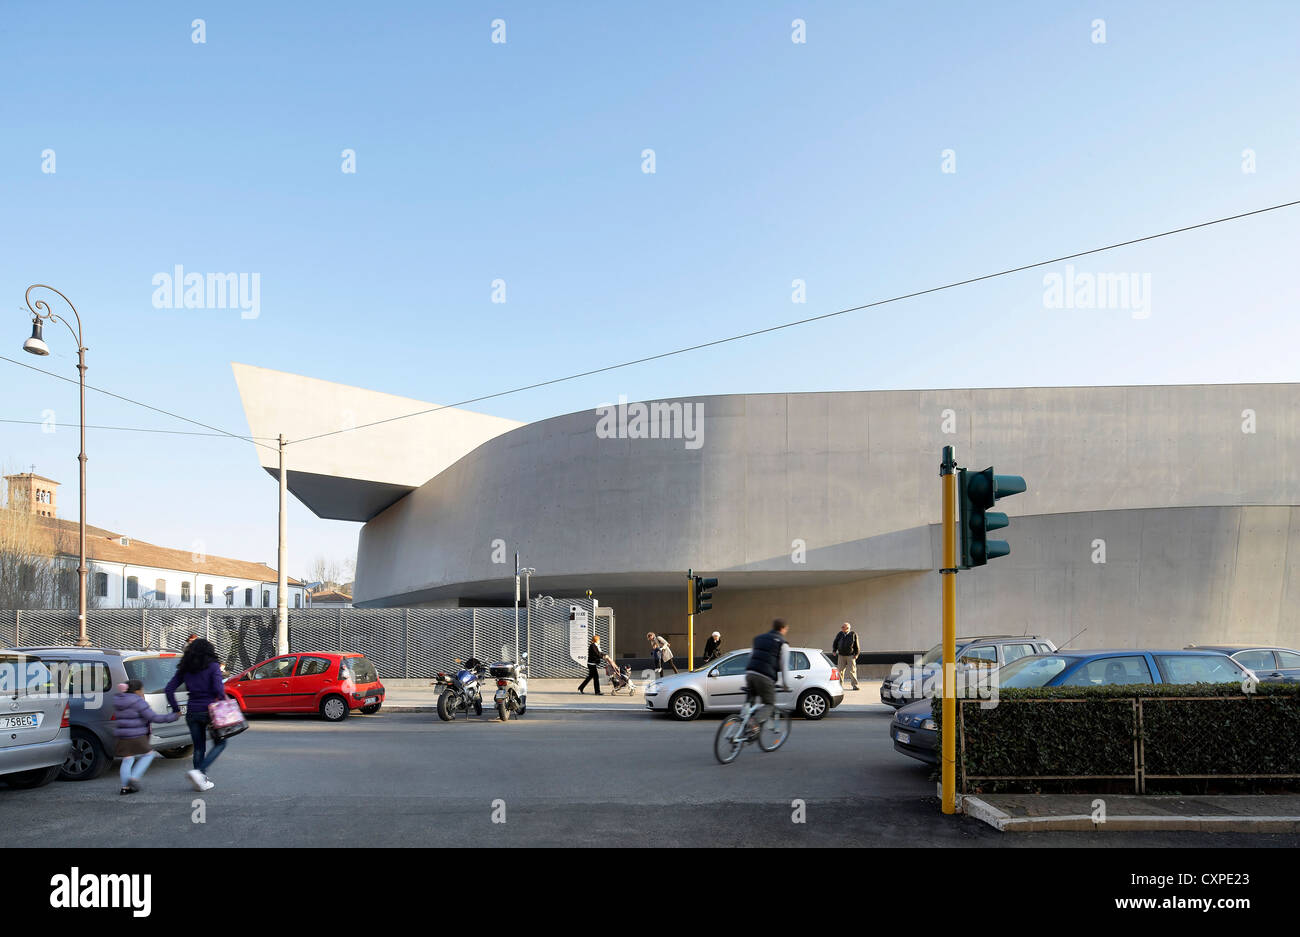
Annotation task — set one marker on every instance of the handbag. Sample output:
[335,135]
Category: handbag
[225,719]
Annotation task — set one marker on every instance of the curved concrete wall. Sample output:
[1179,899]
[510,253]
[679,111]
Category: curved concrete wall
[854,476]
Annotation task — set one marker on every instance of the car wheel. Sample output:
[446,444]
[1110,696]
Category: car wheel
[334,708]
[814,704]
[685,705]
[371,710]
[86,758]
[24,780]
[184,752]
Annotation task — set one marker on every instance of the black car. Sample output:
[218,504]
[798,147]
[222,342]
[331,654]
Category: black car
[1270,664]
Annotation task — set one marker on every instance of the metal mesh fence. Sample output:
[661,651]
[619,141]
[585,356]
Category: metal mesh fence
[401,642]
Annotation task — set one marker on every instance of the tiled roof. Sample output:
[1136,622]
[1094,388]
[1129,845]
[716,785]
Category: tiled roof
[331,596]
[105,546]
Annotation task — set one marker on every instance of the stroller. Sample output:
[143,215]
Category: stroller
[619,678]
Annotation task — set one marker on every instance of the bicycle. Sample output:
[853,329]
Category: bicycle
[738,730]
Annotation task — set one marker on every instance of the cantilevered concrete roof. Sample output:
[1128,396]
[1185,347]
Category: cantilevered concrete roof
[354,475]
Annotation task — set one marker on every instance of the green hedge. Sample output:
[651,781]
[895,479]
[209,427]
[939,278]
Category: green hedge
[1222,732]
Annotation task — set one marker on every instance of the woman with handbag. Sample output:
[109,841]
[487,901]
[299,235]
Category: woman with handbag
[200,670]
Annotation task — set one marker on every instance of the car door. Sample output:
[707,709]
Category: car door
[1261,662]
[267,686]
[724,685]
[1288,665]
[310,678]
[798,671]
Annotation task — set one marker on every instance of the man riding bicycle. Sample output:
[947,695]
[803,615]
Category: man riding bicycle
[766,664]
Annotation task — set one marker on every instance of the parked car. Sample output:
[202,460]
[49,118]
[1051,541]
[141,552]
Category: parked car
[332,683]
[35,727]
[1270,664]
[988,651]
[812,686]
[90,675]
[915,733]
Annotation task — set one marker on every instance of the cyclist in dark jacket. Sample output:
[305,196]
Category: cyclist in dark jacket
[766,658]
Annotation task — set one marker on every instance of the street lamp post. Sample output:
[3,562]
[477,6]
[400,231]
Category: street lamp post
[36,346]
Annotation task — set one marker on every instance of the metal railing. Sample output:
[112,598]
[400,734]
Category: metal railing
[401,642]
[1155,746]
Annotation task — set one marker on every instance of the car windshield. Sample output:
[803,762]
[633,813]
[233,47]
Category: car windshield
[362,670]
[935,654]
[153,672]
[1031,672]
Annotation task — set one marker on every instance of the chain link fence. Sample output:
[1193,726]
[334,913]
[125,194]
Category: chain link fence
[403,643]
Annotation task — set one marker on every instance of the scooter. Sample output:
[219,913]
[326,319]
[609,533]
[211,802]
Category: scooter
[462,691]
[512,688]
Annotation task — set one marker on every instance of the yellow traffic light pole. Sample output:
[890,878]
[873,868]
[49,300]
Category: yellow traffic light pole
[690,621]
[948,576]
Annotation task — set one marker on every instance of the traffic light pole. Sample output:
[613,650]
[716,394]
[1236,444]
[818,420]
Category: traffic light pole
[690,621]
[948,576]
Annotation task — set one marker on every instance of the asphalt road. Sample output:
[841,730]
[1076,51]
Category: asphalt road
[564,779]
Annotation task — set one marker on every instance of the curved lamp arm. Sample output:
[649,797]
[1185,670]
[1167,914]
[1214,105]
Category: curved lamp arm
[50,314]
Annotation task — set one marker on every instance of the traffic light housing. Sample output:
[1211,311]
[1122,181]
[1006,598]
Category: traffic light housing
[700,594]
[977,492]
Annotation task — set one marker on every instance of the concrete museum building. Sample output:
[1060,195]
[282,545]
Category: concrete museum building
[1154,516]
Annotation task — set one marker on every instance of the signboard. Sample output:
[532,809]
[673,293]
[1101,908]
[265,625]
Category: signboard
[579,634]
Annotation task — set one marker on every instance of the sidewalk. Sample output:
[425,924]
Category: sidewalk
[419,696]
[1221,813]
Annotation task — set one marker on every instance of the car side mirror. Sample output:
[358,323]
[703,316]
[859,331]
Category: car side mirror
[713,672]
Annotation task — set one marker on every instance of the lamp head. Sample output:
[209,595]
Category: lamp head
[36,344]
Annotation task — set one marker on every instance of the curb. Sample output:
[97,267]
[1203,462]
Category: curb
[569,708]
[1004,822]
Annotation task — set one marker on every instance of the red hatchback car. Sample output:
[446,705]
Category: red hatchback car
[332,683]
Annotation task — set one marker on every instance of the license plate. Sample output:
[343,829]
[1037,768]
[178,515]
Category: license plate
[904,737]
[21,721]
[501,694]
[371,700]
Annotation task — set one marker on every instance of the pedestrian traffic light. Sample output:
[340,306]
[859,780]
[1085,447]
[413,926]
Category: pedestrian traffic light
[977,492]
[701,594]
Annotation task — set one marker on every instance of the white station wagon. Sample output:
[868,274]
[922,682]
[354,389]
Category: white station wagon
[810,686]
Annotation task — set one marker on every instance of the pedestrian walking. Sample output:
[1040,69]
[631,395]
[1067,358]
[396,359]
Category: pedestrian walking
[665,655]
[200,670]
[846,649]
[595,657]
[712,647]
[132,716]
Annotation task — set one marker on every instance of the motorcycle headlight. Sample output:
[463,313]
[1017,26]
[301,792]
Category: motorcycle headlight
[929,724]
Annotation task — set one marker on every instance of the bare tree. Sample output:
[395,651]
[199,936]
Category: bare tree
[331,572]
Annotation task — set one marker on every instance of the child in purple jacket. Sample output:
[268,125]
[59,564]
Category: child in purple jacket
[132,717]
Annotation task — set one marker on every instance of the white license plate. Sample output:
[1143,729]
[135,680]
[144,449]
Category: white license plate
[21,721]
[371,700]
[904,737]
[501,694]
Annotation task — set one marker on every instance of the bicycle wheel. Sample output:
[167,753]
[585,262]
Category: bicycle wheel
[772,735]
[728,743]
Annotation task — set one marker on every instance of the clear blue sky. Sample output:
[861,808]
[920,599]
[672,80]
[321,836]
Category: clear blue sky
[522,160]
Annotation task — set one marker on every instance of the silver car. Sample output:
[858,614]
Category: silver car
[34,723]
[810,686]
[90,676]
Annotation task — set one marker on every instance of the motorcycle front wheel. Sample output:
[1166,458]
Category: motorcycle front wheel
[446,706]
[478,707]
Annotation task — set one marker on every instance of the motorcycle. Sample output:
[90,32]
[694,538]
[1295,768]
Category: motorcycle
[512,688]
[462,692]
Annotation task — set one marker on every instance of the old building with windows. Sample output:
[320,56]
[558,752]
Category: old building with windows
[124,572]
